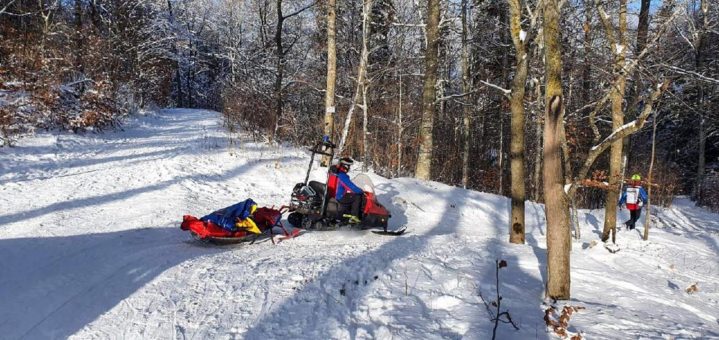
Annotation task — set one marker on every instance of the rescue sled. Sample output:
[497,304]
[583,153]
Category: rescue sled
[313,205]
[221,226]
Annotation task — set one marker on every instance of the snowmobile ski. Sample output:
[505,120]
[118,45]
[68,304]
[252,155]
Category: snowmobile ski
[396,232]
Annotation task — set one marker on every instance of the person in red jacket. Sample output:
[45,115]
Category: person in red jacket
[347,193]
[634,196]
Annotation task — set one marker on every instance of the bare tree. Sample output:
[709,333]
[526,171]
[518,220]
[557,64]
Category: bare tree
[329,124]
[423,169]
[617,40]
[516,154]
[361,89]
[280,53]
[557,208]
[466,88]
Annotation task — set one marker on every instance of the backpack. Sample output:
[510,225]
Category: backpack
[228,217]
[632,195]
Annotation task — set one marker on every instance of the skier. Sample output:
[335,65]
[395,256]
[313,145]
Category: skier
[348,194]
[634,196]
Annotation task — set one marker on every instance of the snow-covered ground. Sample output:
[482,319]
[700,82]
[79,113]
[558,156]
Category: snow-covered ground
[90,247]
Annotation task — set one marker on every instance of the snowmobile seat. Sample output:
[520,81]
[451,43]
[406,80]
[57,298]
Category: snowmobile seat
[318,187]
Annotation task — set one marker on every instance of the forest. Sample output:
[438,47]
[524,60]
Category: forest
[551,101]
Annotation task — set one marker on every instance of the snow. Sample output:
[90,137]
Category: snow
[619,48]
[91,248]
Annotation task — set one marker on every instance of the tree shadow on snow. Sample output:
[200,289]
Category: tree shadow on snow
[69,205]
[53,286]
[335,305]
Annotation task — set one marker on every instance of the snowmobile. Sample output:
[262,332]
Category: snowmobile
[313,205]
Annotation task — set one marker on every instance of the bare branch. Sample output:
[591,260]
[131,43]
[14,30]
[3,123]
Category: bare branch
[618,134]
[505,92]
[298,11]
[459,95]
[6,7]
[690,73]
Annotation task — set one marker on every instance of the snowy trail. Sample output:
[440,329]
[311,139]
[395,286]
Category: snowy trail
[90,248]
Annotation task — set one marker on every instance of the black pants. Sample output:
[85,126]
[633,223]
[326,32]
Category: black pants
[633,217]
[351,204]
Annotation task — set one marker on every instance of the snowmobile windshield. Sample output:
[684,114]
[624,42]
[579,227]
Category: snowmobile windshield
[364,183]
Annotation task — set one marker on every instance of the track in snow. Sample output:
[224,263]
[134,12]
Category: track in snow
[90,248]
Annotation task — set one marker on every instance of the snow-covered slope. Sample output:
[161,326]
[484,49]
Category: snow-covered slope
[90,248]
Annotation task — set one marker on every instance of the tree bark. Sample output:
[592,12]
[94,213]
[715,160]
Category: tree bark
[361,73]
[699,64]
[424,159]
[516,148]
[648,216]
[538,142]
[557,208]
[279,73]
[466,88]
[617,98]
[329,124]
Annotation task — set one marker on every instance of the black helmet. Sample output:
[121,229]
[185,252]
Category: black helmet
[345,163]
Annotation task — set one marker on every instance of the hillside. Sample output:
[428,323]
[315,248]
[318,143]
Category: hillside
[91,248]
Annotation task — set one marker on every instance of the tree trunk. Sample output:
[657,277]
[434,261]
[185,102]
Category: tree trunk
[400,130]
[557,208]
[329,124]
[279,73]
[701,161]
[424,159]
[648,216]
[516,153]
[79,44]
[699,64]
[466,88]
[617,98]
[361,72]
[365,133]
[538,143]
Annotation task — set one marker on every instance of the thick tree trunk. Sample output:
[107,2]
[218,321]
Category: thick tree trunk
[617,98]
[424,159]
[633,91]
[329,124]
[466,88]
[538,142]
[557,208]
[699,64]
[516,148]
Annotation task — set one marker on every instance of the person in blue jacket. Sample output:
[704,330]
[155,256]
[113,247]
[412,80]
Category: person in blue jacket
[347,193]
[634,196]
